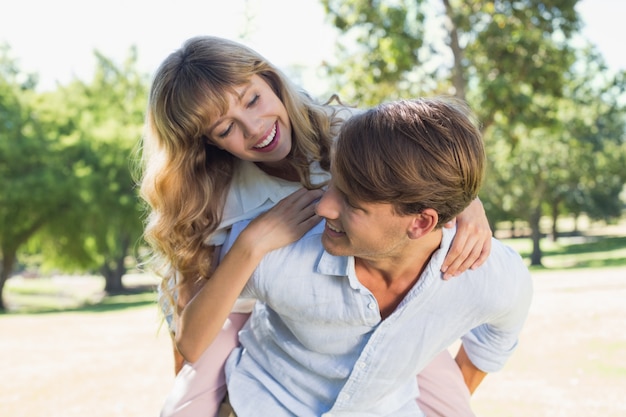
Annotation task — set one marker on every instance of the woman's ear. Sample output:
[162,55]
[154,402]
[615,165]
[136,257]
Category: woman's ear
[423,223]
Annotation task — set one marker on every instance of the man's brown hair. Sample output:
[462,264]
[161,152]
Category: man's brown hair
[413,154]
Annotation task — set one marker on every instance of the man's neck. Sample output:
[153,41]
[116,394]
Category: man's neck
[390,278]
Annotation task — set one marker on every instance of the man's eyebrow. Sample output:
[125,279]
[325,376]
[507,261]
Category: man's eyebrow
[239,98]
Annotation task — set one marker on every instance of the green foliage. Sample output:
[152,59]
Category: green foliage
[65,165]
[109,114]
[553,147]
[37,169]
[517,56]
[383,47]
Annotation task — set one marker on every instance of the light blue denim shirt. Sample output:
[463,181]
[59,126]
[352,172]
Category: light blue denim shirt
[316,345]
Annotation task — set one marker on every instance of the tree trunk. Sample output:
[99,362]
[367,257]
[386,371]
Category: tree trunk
[6,267]
[114,270]
[576,218]
[535,257]
[555,217]
[458,71]
[113,277]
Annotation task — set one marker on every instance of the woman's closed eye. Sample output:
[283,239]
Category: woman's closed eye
[226,131]
[254,100]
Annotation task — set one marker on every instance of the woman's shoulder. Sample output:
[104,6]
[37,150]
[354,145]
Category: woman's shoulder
[252,189]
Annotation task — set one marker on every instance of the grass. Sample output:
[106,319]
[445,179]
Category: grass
[84,293]
[575,253]
[75,294]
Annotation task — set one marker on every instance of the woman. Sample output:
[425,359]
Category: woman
[228,137]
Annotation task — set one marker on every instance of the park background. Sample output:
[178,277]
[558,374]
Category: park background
[80,328]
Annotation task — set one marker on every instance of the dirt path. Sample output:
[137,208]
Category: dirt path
[96,365]
[571,361]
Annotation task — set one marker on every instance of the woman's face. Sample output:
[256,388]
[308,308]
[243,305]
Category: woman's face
[256,126]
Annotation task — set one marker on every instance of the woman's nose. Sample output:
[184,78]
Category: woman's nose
[252,128]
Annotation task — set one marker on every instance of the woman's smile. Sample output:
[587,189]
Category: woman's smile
[270,142]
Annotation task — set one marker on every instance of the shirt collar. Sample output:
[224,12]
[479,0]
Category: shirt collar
[260,187]
[437,259]
[344,265]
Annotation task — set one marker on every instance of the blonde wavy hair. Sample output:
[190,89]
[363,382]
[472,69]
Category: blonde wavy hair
[185,179]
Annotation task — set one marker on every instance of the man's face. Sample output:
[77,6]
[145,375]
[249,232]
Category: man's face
[371,231]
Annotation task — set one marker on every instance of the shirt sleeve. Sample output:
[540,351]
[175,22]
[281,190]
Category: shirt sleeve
[490,345]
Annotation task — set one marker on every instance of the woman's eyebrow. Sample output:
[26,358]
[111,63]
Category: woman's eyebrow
[240,95]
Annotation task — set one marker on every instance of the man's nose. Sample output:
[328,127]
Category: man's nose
[327,205]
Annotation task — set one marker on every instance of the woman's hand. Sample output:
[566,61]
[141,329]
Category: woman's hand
[284,223]
[203,317]
[472,243]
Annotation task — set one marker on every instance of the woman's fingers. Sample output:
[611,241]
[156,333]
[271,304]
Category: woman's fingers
[287,221]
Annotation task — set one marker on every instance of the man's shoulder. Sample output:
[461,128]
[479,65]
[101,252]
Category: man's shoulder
[505,256]
[503,272]
[309,244]
[506,270]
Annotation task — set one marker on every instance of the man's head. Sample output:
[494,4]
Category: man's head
[406,158]
[413,154]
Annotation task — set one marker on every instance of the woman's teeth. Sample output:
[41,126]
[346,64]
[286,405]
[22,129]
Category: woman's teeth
[267,140]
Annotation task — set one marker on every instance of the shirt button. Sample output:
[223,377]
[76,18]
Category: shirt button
[344,397]
[361,365]
[371,305]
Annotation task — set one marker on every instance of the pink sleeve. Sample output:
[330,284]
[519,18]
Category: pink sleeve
[199,388]
[442,389]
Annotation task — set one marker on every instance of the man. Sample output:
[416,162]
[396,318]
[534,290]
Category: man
[353,311]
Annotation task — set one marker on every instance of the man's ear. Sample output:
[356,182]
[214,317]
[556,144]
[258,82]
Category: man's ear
[423,223]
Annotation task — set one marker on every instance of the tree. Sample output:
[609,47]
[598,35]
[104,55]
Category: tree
[118,99]
[106,116]
[65,165]
[412,47]
[574,162]
[511,60]
[36,171]
[597,120]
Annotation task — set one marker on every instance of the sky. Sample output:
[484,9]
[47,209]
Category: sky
[56,39]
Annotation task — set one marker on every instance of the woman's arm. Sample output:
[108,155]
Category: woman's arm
[471,374]
[179,361]
[186,292]
[472,243]
[203,317]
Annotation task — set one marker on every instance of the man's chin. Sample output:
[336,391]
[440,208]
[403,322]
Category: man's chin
[329,247]
[334,250]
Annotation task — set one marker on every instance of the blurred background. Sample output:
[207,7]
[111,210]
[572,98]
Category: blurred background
[546,79]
